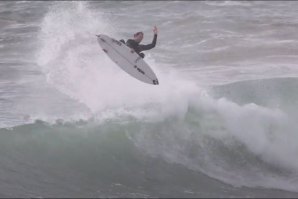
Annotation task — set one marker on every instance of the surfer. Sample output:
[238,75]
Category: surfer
[137,38]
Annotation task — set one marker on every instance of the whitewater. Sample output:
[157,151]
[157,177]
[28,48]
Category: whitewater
[222,122]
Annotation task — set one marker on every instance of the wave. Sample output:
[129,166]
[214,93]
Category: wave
[241,145]
[246,142]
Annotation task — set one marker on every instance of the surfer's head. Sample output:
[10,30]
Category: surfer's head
[138,37]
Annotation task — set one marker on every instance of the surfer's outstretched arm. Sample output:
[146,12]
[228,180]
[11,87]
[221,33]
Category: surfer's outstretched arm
[149,46]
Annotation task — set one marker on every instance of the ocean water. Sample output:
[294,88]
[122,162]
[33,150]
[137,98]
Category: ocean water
[222,123]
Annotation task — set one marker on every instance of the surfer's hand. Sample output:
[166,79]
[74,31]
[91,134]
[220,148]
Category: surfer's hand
[155,30]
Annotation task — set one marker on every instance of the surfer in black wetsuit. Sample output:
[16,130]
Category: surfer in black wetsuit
[135,42]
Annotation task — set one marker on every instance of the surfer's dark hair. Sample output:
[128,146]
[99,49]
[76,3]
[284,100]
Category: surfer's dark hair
[136,34]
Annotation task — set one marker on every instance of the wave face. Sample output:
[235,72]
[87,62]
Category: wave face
[222,122]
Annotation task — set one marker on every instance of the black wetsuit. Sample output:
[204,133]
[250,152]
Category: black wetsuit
[138,48]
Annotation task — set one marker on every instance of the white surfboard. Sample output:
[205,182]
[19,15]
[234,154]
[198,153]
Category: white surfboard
[127,59]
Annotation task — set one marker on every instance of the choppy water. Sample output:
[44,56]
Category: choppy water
[222,122]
